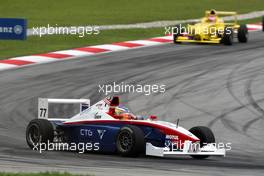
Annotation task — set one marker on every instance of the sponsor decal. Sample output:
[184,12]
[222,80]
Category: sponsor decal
[101,133]
[172,137]
[6,29]
[86,132]
[18,29]
[13,29]
[96,116]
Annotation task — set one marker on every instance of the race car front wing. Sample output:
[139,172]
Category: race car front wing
[209,149]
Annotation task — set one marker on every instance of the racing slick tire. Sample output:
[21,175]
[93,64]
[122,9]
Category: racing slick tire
[205,135]
[228,36]
[242,33]
[263,23]
[176,33]
[130,141]
[39,131]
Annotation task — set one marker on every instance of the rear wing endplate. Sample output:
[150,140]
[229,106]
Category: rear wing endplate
[43,105]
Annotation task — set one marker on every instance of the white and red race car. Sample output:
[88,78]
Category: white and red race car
[116,129]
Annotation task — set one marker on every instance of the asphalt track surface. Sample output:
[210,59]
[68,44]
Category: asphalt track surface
[217,86]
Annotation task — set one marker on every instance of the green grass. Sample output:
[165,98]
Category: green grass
[81,12]
[254,20]
[34,44]
[39,174]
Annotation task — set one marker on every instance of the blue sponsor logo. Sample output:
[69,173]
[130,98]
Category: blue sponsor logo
[13,29]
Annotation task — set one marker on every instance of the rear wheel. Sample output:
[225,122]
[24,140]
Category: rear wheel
[205,135]
[176,33]
[263,23]
[242,33]
[130,141]
[227,36]
[39,131]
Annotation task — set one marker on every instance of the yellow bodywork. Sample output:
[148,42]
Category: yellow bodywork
[207,32]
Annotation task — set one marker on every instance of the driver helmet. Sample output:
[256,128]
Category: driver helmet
[212,16]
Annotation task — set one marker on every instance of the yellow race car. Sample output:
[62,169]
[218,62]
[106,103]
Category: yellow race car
[212,29]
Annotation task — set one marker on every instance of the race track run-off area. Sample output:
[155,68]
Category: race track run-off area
[218,86]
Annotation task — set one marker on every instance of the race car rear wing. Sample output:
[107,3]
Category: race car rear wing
[43,105]
[224,13]
[207,12]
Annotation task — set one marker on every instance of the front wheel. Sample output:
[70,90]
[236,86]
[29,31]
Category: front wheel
[130,141]
[228,36]
[205,135]
[176,33]
[39,131]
